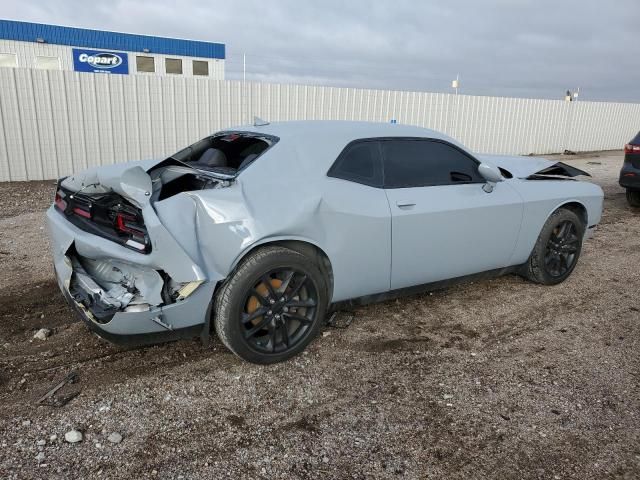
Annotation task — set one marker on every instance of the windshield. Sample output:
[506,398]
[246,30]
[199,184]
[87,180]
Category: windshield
[225,153]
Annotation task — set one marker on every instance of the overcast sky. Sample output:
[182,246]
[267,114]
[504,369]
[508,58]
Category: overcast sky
[525,48]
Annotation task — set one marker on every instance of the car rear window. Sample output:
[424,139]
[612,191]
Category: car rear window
[636,140]
[227,152]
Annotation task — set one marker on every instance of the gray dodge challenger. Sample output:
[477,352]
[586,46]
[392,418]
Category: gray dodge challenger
[258,232]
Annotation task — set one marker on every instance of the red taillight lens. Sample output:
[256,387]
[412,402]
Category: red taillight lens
[59,202]
[124,225]
[120,222]
[81,212]
[631,148]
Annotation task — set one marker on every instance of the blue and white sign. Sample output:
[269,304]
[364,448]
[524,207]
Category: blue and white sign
[99,61]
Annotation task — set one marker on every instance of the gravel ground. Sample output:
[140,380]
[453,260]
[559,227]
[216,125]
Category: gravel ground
[495,379]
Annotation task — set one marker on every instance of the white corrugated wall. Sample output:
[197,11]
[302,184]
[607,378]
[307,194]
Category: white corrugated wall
[55,122]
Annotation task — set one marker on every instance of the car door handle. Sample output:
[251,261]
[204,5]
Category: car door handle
[405,204]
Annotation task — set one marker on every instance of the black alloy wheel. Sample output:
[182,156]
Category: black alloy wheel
[279,310]
[562,248]
[272,305]
[557,249]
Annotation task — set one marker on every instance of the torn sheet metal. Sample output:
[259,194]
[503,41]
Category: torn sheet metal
[119,279]
[561,169]
[524,167]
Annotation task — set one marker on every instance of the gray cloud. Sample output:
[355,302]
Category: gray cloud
[531,48]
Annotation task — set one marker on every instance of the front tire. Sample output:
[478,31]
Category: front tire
[557,249]
[272,306]
[633,197]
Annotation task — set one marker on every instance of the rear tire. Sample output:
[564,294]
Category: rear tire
[633,197]
[557,249]
[271,306]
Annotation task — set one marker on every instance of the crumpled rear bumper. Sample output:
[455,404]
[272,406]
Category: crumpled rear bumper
[184,318]
[122,322]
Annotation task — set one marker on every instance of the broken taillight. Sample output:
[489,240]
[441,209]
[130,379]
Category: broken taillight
[124,223]
[107,215]
[60,202]
[81,212]
[127,224]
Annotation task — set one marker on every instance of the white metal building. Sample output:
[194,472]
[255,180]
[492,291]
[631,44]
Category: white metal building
[52,47]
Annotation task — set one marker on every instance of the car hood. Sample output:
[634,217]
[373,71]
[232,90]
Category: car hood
[525,167]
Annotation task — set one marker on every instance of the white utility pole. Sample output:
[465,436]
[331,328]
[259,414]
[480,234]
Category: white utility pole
[456,83]
[244,86]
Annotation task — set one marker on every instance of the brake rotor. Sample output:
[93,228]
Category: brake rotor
[253,303]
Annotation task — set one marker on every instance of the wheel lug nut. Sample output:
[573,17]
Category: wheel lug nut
[285,309]
[277,317]
[272,301]
[269,312]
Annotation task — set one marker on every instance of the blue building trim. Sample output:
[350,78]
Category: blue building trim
[128,42]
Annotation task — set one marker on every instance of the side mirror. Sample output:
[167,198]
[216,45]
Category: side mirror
[491,174]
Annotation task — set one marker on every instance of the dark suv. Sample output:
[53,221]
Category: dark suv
[630,173]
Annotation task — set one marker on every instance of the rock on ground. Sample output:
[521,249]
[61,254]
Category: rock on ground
[73,436]
[42,334]
[115,437]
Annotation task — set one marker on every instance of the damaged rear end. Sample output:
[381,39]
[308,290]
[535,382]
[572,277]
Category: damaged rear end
[107,286]
[119,267]
[133,279]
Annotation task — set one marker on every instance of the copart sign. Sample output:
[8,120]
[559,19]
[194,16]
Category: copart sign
[100,61]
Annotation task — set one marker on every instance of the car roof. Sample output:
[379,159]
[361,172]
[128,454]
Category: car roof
[342,130]
[317,143]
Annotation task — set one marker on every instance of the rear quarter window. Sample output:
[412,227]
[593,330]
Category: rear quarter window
[226,152]
[359,162]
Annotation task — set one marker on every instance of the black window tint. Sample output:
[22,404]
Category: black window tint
[419,163]
[359,162]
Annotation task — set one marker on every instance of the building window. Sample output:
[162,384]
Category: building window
[200,67]
[8,60]
[145,64]
[47,63]
[173,65]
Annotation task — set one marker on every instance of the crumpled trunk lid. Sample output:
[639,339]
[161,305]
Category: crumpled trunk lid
[108,201]
[127,179]
[526,167]
[115,202]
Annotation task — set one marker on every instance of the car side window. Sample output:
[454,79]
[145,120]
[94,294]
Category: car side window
[359,162]
[421,163]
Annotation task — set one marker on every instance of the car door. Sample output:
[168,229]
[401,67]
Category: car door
[356,222]
[444,225]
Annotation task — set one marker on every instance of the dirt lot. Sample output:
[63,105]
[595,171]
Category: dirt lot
[496,379]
